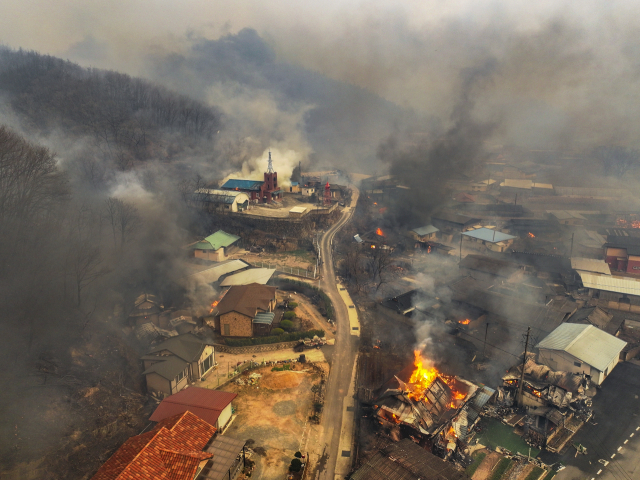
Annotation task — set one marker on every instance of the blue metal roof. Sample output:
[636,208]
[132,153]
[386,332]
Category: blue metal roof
[488,235]
[294,184]
[242,184]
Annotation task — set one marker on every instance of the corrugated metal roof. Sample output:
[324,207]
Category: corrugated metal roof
[212,274]
[488,235]
[221,196]
[610,283]
[220,239]
[225,450]
[234,183]
[421,231]
[253,275]
[586,343]
[590,265]
[265,318]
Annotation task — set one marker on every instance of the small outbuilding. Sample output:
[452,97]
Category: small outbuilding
[492,239]
[580,348]
[215,247]
[212,406]
[423,234]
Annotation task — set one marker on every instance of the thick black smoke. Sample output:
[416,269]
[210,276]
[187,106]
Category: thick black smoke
[425,168]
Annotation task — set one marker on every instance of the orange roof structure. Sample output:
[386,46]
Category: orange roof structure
[171,451]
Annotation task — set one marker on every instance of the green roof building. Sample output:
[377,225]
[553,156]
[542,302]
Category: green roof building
[215,246]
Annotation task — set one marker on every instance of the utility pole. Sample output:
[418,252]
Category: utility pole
[486,332]
[571,254]
[524,360]
[460,246]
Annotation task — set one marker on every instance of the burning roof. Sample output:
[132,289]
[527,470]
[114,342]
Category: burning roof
[426,401]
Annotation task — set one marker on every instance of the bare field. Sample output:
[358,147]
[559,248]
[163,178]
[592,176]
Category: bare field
[272,416]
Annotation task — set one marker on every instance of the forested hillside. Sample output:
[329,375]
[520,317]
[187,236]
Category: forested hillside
[90,217]
[129,120]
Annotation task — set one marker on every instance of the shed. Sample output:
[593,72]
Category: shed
[425,233]
[492,239]
[297,212]
[579,348]
[212,406]
[215,246]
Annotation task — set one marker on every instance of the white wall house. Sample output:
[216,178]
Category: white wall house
[579,348]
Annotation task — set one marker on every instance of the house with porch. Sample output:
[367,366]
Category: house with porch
[173,364]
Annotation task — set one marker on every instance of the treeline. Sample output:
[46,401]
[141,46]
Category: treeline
[127,117]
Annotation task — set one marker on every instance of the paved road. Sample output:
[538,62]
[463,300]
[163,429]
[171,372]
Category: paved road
[615,437]
[343,355]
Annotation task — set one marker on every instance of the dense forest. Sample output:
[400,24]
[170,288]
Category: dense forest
[90,216]
[128,120]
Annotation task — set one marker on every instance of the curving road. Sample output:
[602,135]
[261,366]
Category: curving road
[344,352]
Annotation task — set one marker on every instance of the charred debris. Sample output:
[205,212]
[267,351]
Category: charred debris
[512,247]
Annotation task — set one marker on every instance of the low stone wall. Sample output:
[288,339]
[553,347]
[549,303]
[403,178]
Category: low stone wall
[269,347]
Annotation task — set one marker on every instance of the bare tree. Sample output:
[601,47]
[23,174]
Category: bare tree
[124,220]
[378,262]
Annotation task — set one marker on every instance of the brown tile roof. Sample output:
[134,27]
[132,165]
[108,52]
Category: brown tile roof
[247,299]
[171,451]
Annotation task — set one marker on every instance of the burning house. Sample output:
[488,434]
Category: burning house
[430,407]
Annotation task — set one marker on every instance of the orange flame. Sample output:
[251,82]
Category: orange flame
[214,304]
[531,235]
[424,375]
[466,321]
[379,232]
[429,249]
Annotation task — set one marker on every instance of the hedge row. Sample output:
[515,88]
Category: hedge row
[325,305]
[287,337]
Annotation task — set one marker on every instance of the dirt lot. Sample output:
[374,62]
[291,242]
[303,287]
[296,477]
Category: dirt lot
[486,467]
[310,317]
[272,416]
[301,259]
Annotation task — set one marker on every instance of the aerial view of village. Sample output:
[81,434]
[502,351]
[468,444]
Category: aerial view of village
[361,240]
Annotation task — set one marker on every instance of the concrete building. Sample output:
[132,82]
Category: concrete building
[579,348]
[298,212]
[622,254]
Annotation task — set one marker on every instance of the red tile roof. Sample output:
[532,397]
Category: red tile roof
[171,451]
[206,404]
